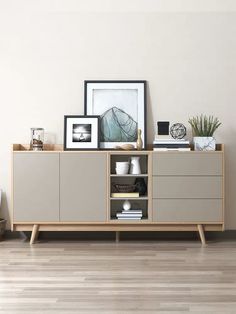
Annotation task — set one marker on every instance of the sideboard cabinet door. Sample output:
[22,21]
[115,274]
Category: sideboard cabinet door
[83,187]
[36,187]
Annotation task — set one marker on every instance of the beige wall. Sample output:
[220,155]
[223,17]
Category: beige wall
[186,50]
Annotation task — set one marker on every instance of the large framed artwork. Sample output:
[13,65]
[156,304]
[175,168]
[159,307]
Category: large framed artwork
[81,132]
[121,106]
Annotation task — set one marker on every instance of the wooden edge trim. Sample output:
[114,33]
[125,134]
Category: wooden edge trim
[59,148]
[115,222]
[116,227]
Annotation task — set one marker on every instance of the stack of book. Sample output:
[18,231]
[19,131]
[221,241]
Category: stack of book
[166,143]
[131,214]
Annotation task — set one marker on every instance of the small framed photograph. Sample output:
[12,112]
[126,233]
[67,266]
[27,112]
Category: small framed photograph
[121,106]
[81,132]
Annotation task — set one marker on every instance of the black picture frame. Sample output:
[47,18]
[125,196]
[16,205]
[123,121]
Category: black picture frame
[143,82]
[81,117]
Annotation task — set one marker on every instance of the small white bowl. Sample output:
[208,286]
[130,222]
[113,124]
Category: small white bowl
[122,164]
[122,168]
[122,171]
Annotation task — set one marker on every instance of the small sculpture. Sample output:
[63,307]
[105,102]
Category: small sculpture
[140,186]
[125,147]
[139,143]
[126,205]
[178,131]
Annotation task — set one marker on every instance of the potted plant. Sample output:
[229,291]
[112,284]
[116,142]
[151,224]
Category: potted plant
[203,128]
[2,221]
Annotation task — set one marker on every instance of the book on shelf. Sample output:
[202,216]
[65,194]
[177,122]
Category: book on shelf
[129,218]
[132,211]
[122,195]
[165,149]
[163,137]
[171,141]
[120,215]
[171,145]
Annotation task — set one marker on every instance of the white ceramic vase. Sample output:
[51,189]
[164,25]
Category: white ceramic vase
[202,143]
[135,165]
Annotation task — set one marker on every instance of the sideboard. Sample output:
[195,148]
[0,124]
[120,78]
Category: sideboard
[56,190]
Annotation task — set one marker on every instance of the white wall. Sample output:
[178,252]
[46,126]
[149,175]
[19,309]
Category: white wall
[186,50]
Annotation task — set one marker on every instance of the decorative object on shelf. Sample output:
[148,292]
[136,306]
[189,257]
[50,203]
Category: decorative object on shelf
[125,147]
[178,131]
[126,205]
[173,142]
[140,186]
[203,128]
[124,188]
[2,221]
[163,127]
[81,132]
[122,167]
[37,138]
[122,107]
[135,165]
[139,143]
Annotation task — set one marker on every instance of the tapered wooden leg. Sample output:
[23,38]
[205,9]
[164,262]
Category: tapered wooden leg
[117,236]
[34,234]
[201,233]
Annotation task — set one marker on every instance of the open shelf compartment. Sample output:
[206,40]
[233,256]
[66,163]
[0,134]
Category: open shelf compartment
[126,157]
[142,202]
[136,204]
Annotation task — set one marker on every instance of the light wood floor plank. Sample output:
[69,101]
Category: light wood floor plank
[125,277]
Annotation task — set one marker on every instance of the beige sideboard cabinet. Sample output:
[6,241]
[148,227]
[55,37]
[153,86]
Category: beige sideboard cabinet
[56,190]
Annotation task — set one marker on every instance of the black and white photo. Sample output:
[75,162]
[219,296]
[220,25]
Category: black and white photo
[81,132]
[121,106]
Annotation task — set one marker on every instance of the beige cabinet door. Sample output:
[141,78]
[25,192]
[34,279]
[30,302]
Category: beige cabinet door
[83,187]
[35,187]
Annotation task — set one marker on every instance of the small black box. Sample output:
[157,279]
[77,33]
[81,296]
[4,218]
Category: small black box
[163,127]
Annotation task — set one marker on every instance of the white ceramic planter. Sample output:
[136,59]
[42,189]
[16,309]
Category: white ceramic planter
[202,143]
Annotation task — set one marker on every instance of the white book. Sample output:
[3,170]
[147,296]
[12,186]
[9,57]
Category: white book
[171,142]
[131,211]
[166,137]
[128,218]
[129,215]
[172,149]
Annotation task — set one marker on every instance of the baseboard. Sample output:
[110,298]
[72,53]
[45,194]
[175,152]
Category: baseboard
[124,236]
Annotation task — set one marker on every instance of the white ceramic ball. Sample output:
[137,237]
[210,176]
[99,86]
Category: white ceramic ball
[126,205]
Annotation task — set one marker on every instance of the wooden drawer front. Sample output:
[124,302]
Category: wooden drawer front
[191,163]
[187,187]
[198,210]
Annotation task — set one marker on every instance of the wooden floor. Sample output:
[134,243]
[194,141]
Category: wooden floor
[126,277]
